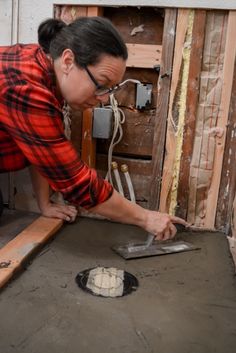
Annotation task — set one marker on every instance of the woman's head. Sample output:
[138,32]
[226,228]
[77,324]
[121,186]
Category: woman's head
[87,45]
[88,38]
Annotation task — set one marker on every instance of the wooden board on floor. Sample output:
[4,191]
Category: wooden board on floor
[14,254]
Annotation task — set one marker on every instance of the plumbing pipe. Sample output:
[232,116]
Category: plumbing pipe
[114,167]
[125,170]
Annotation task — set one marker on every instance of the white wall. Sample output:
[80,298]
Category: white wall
[5,21]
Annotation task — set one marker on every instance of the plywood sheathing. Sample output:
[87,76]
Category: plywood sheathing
[212,118]
[176,113]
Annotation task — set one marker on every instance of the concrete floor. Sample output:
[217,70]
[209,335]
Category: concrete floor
[185,303]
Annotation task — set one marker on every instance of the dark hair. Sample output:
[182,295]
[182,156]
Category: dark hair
[88,38]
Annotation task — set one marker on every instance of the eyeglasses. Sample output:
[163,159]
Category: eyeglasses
[102,90]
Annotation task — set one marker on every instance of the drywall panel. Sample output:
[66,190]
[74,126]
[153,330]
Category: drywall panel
[5,22]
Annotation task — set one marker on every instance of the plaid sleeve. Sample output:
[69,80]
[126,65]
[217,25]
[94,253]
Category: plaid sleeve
[33,119]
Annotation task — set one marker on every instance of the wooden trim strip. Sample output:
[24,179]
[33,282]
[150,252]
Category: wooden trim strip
[17,251]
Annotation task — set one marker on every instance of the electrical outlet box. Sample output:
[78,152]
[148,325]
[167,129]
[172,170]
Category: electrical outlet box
[102,123]
[143,95]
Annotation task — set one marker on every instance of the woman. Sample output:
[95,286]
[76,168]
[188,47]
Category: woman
[82,64]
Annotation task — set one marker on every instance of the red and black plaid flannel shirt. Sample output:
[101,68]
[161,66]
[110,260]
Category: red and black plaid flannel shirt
[31,127]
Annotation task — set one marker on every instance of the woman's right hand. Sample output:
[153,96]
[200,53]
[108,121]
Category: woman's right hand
[162,224]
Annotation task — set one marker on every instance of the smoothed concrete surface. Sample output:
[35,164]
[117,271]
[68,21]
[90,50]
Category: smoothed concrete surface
[185,303]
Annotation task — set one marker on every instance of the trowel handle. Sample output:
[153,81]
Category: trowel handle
[149,240]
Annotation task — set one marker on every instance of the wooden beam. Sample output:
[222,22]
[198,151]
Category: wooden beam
[228,72]
[173,113]
[225,212]
[191,110]
[88,143]
[162,106]
[14,254]
[143,55]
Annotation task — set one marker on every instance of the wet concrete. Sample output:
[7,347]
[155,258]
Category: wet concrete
[185,303]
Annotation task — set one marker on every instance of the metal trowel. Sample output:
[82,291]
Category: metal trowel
[153,248]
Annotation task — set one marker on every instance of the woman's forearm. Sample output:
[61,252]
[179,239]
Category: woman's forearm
[40,187]
[48,208]
[121,210]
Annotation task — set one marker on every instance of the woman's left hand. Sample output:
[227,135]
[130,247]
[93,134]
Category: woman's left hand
[65,212]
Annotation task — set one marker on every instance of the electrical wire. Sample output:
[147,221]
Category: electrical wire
[119,119]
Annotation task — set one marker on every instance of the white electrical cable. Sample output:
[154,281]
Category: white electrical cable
[119,119]
[67,120]
[125,170]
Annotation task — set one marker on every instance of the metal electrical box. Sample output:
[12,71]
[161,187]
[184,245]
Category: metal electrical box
[102,123]
[143,95]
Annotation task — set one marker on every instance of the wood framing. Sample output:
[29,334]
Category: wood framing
[173,113]
[228,72]
[88,143]
[198,36]
[14,254]
[225,210]
[162,106]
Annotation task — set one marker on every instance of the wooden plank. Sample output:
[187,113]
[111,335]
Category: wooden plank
[94,11]
[191,110]
[202,161]
[88,143]
[162,106]
[227,191]
[17,251]
[228,71]
[143,55]
[173,113]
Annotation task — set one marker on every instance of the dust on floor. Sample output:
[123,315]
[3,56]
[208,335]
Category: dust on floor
[185,303]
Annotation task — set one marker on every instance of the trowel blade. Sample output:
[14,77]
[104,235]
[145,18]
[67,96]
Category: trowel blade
[156,248]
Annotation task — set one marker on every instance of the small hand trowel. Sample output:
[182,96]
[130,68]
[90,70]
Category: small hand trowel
[152,248]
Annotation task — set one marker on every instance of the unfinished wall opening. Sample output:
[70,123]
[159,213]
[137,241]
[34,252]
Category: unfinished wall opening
[142,31]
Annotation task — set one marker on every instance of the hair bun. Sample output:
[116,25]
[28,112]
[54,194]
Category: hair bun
[48,30]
